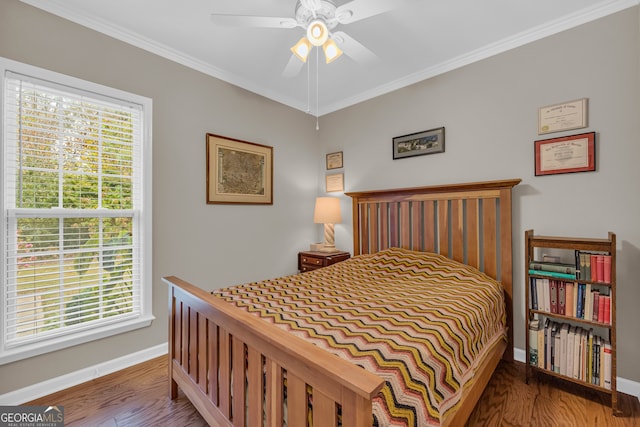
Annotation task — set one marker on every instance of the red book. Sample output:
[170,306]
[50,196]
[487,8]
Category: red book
[607,269]
[601,303]
[553,296]
[600,268]
[607,310]
[561,298]
[594,269]
[596,300]
[569,300]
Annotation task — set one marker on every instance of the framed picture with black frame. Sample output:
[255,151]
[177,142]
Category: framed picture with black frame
[419,143]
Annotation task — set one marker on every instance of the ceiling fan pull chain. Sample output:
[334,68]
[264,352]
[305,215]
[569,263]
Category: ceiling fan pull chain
[308,88]
[317,88]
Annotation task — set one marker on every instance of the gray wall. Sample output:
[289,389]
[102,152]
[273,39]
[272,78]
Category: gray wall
[209,245]
[489,110]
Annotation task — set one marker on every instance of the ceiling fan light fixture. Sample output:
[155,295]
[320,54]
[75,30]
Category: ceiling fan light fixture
[331,51]
[301,49]
[317,32]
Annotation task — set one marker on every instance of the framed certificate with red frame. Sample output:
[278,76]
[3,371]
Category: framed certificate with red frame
[567,154]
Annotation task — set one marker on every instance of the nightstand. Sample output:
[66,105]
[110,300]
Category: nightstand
[312,260]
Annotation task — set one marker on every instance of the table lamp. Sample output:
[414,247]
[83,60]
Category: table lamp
[327,212]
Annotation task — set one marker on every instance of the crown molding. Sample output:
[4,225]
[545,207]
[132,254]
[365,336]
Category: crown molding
[57,7]
[523,38]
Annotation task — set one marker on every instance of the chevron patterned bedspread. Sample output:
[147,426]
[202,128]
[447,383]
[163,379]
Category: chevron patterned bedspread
[419,320]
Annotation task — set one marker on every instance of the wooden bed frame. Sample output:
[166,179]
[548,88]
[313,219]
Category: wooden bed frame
[208,337]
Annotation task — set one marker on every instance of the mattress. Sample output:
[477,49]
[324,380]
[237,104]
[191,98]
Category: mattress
[420,321]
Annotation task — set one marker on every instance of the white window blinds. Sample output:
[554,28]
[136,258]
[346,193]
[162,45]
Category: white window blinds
[73,212]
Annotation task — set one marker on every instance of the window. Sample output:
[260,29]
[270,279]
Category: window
[76,211]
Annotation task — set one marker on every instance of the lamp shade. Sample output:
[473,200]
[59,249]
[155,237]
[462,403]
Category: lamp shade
[301,49]
[331,51]
[327,211]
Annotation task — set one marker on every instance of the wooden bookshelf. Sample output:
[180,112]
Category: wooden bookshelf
[534,246]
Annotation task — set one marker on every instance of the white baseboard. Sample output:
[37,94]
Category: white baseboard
[624,385]
[53,385]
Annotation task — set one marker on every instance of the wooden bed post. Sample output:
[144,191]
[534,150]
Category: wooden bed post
[173,385]
[506,275]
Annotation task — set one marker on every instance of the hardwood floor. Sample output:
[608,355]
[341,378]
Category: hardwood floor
[138,396]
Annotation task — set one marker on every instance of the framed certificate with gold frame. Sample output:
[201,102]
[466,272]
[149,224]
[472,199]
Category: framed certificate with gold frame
[334,160]
[564,116]
[334,182]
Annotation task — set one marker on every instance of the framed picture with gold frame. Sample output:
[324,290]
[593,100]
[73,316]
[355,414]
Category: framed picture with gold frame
[238,171]
[334,182]
[334,160]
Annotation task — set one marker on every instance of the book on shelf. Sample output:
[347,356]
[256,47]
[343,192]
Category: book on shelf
[545,296]
[580,301]
[607,269]
[563,340]
[606,363]
[576,352]
[599,268]
[554,267]
[541,345]
[562,294]
[588,302]
[571,337]
[594,268]
[570,308]
[547,345]
[607,310]
[534,325]
[553,296]
[555,347]
[534,293]
[552,274]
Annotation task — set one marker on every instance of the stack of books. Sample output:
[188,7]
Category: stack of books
[593,267]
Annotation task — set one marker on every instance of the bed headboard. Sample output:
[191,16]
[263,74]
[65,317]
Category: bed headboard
[468,222]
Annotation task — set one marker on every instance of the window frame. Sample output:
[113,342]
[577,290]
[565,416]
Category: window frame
[107,328]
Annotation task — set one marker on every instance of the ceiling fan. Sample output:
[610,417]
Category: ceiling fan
[318,18]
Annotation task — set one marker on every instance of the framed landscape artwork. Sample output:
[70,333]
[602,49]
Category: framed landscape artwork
[419,143]
[238,171]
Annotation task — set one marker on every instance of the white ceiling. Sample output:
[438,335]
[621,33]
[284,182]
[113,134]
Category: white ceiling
[417,40]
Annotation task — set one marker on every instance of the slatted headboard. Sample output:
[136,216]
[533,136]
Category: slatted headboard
[469,222]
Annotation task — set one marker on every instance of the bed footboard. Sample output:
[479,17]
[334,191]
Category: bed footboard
[239,370]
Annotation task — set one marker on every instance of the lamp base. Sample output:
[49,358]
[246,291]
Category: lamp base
[316,247]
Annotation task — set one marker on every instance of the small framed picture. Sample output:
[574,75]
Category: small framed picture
[419,143]
[575,153]
[334,160]
[334,182]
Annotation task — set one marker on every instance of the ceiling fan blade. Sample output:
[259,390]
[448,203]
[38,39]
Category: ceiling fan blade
[357,10]
[354,49]
[252,21]
[293,67]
